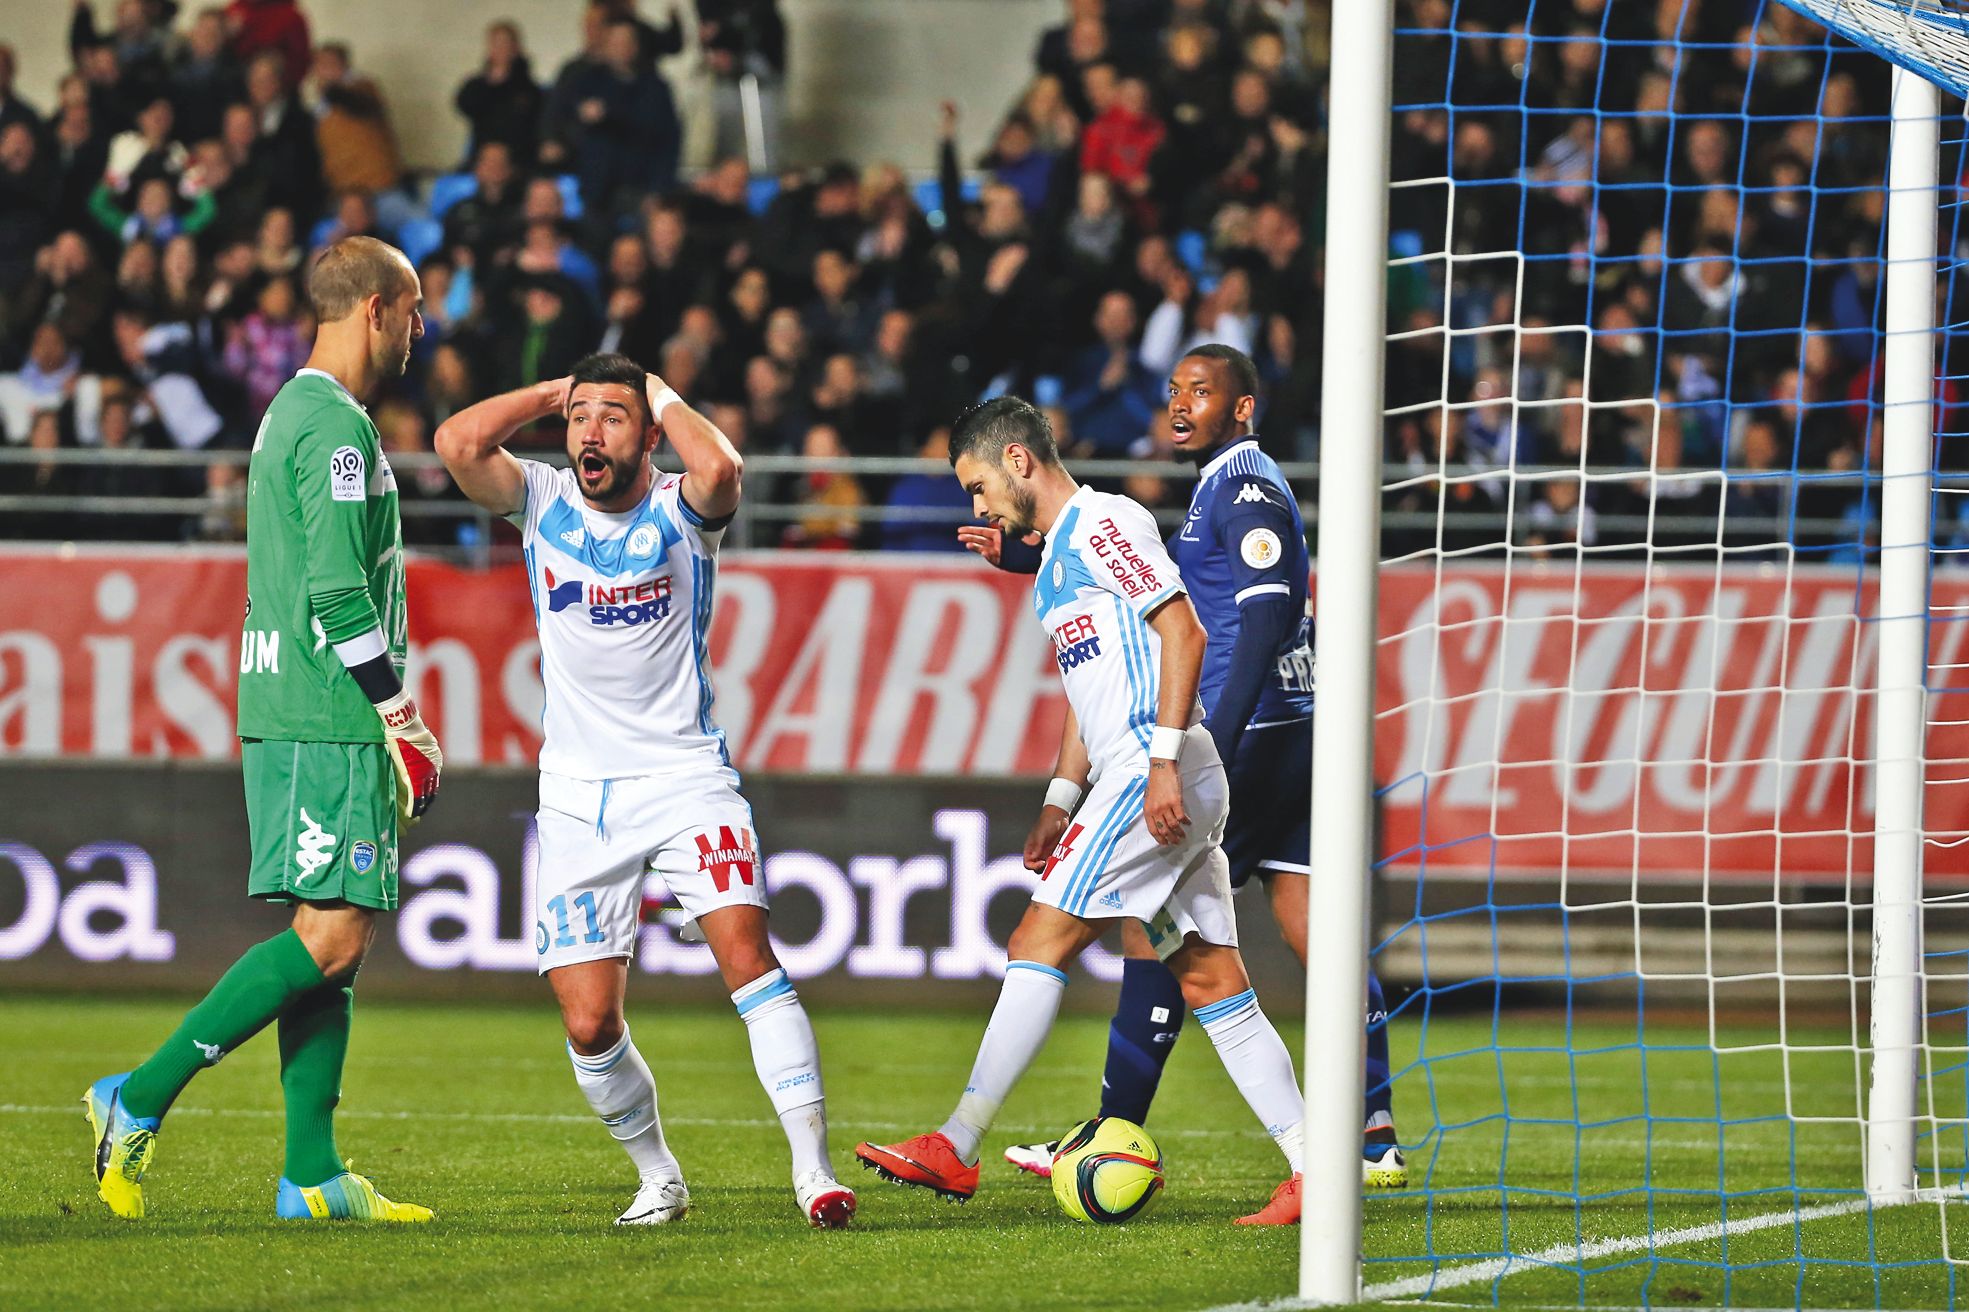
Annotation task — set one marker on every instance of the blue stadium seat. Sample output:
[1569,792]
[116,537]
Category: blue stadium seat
[419,238]
[447,189]
[759,194]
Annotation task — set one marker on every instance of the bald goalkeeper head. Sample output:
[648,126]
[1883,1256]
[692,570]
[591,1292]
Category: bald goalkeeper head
[368,304]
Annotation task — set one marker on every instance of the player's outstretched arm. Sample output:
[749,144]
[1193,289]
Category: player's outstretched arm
[1013,555]
[712,467]
[472,443]
[1183,639]
[1070,775]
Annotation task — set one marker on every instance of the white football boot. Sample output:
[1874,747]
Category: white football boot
[658,1202]
[824,1201]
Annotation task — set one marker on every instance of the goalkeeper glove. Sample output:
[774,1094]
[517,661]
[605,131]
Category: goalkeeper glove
[414,752]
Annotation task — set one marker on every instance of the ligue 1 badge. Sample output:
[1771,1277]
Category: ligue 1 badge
[1059,574]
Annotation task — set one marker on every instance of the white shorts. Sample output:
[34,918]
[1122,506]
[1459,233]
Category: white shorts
[599,840]
[1107,865]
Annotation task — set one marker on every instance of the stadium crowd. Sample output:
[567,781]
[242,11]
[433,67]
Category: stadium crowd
[1159,183]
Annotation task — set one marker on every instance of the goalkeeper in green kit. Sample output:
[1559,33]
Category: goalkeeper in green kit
[336,757]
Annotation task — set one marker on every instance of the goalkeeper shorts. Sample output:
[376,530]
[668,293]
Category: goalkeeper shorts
[601,839]
[323,822]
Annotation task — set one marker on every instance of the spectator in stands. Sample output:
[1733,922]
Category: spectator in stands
[267,347]
[117,430]
[828,500]
[835,319]
[41,385]
[204,77]
[25,184]
[618,125]
[405,431]
[744,44]
[46,478]
[77,160]
[145,151]
[285,153]
[769,414]
[551,334]
[70,289]
[352,129]
[1121,141]
[1109,396]
[501,101]
[918,499]
[12,108]
[163,358]
[271,26]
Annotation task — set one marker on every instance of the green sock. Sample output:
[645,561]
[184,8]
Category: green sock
[314,1040]
[261,984]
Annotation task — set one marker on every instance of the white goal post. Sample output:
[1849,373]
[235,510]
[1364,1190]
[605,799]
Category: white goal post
[1933,40]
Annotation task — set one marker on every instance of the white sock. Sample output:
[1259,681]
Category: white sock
[622,1091]
[787,1059]
[1258,1063]
[1027,1004]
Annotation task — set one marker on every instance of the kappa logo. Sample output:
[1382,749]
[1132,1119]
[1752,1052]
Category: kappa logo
[1062,850]
[733,853]
[212,1051]
[1249,492]
[575,537]
[313,849]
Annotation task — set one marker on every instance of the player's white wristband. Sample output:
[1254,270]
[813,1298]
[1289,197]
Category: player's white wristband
[1166,744]
[1063,793]
[661,399]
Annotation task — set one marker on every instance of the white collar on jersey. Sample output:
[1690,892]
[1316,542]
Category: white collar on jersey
[340,386]
[1217,461]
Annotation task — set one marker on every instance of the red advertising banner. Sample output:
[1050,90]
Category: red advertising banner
[1711,722]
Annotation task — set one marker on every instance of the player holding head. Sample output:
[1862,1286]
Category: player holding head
[1144,846]
[335,754]
[634,779]
[1242,551]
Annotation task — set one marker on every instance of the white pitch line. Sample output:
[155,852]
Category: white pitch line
[1456,1277]
[1473,1273]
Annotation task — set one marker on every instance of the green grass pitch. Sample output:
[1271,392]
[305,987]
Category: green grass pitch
[473,1111]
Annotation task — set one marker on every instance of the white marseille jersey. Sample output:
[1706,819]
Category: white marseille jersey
[623,603]
[1103,570]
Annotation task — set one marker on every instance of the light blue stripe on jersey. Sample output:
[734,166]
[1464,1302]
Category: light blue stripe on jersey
[779,987]
[1225,1007]
[1127,810]
[702,573]
[1036,967]
[1142,713]
[608,557]
[532,588]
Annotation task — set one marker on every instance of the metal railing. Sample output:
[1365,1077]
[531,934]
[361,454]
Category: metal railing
[767,508]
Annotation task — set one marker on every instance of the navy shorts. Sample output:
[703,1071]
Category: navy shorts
[1270,825]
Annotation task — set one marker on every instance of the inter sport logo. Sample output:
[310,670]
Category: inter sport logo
[627,604]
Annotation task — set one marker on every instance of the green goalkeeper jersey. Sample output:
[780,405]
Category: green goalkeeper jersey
[324,567]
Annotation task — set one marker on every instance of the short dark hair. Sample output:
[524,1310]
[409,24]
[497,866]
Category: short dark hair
[1244,374]
[612,367]
[350,272]
[987,428]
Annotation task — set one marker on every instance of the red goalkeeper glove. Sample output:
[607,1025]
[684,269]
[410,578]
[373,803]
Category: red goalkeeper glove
[414,752]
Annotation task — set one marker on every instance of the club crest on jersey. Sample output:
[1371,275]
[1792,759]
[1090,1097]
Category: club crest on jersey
[642,541]
[732,852]
[609,605]
[362,855]
[1076,642]
[1059,575]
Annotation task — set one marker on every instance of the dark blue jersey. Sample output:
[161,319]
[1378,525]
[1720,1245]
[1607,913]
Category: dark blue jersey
[1244,540]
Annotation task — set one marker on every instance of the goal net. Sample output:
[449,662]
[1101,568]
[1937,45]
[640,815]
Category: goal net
[1672,898]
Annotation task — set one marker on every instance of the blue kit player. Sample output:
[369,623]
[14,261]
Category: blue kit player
[1242,554]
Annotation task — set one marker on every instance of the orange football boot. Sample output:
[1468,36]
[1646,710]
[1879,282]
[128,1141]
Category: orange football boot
[930,1161]
[1283,1209]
